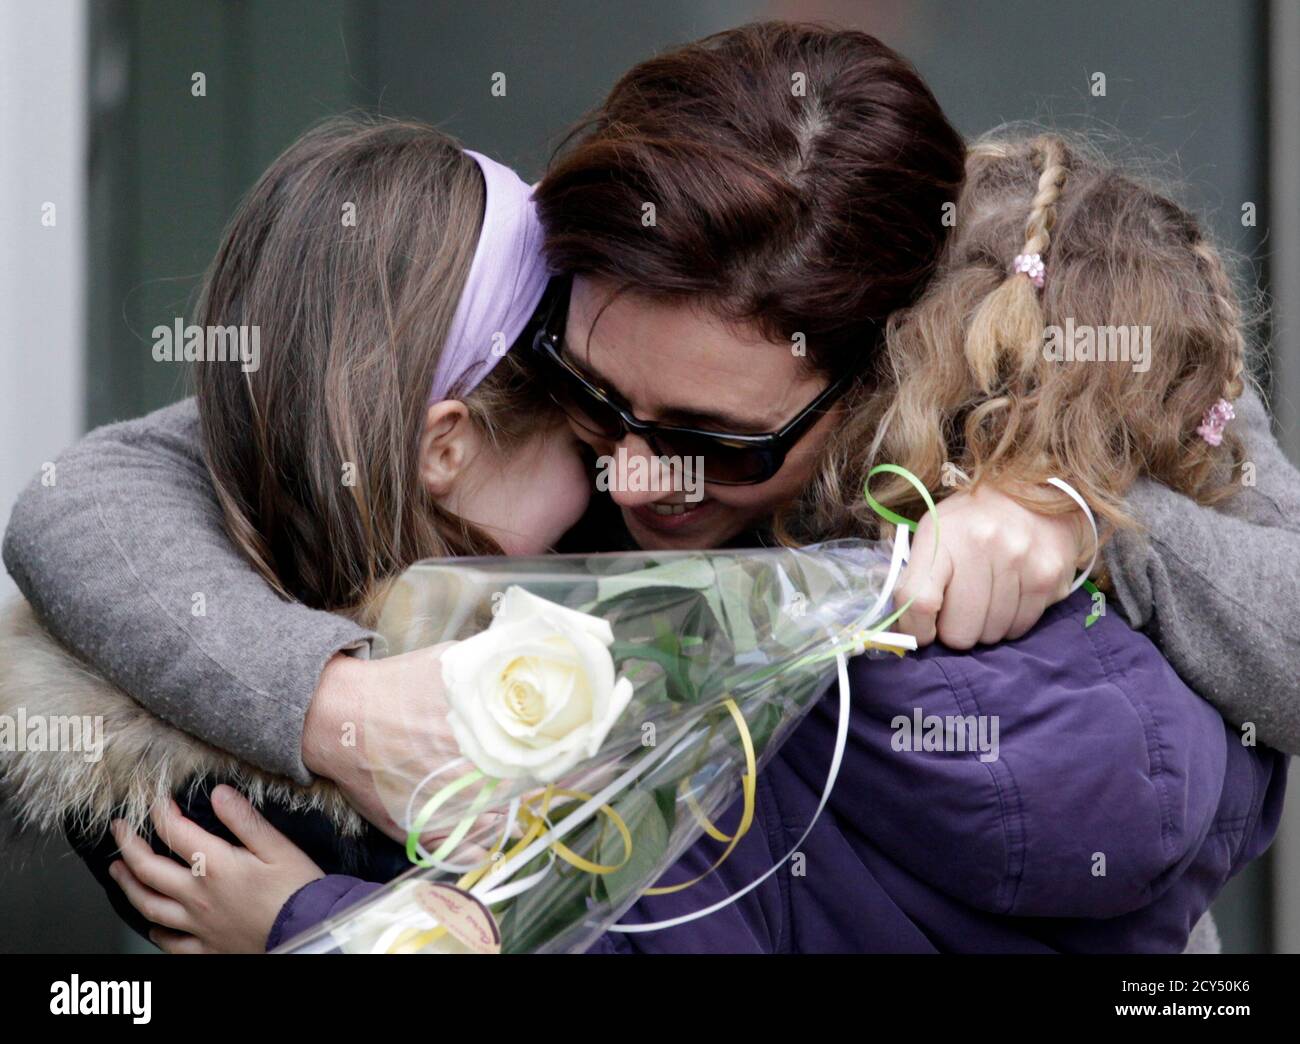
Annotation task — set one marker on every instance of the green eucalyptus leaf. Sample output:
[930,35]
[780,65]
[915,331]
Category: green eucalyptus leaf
[666,799]
[640,811]
[680,686]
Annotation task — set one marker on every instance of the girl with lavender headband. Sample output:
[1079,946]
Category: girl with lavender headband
[308,452]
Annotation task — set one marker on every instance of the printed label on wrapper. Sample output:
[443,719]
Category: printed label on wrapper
[464,917]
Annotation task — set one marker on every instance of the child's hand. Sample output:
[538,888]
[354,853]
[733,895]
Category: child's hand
[227,899]
[999,566]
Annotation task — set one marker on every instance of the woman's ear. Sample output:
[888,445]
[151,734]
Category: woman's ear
[448,442]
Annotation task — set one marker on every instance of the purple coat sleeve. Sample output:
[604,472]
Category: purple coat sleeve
[316,901]
[1105,778]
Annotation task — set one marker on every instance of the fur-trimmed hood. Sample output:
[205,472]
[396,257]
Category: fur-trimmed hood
[126,758]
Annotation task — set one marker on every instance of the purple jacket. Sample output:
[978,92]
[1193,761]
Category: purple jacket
[1117,808]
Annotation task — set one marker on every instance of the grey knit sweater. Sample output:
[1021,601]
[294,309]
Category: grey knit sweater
[125,558]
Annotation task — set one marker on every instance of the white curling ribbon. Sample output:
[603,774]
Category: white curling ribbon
[901,548]
[891,639]
[1073,494]
[832,774]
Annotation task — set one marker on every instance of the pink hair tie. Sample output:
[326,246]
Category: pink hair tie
[1214,421]
[1032,266]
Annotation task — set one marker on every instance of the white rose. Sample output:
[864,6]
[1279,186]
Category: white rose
[535,693]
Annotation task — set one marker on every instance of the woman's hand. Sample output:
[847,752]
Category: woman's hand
[376,728]
[998,567]
[227,899]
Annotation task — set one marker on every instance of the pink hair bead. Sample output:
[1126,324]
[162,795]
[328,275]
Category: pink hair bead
[1215,420]
[1032,266]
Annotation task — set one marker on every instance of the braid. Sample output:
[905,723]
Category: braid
[1050,153]
[976,383]
[1225,315]
[1006,333]
[1226,310]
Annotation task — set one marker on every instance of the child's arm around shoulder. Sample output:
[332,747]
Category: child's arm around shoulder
[1218,588]
[120,547]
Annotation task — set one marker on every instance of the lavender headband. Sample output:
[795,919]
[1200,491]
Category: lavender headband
[506,280]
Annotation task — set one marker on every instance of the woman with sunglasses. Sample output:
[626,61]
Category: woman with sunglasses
[731,458]
[754,385]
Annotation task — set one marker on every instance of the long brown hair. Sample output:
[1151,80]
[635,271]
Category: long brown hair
[349,254]
[797,175]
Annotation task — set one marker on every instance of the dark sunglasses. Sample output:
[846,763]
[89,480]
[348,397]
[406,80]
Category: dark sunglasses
[729,459]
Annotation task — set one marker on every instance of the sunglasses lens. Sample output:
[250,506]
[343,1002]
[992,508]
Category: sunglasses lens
[585,409]
[734,464]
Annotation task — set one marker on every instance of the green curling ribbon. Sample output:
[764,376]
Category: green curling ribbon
[899,520]
[893,516]
[1091,588]
[462,828]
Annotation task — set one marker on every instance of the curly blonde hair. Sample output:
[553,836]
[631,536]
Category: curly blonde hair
[973,374]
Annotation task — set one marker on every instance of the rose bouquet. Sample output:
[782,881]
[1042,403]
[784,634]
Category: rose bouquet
[606,707]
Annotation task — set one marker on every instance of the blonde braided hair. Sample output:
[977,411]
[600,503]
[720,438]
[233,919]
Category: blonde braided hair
[967,380]
[1007,330]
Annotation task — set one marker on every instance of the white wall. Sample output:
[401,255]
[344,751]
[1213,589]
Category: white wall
[42,269]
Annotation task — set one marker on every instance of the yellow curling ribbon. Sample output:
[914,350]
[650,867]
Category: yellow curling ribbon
[870,643]
[692,803]
[562,850]
[414,939]
[749,784]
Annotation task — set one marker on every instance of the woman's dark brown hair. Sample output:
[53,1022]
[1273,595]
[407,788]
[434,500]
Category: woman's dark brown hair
[349,255]
[798,176]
